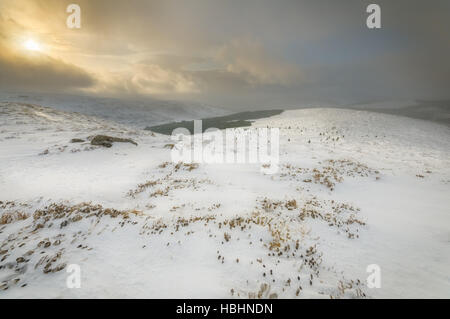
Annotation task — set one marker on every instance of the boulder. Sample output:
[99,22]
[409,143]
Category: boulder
[107,141]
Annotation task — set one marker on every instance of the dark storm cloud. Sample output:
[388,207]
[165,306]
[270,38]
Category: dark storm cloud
[42,73]
[319,49]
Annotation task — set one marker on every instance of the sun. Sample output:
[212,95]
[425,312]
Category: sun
[32,45]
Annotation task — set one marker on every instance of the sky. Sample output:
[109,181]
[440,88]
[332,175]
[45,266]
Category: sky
[235,53]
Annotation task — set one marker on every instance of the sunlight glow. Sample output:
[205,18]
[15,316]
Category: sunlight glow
[32,45]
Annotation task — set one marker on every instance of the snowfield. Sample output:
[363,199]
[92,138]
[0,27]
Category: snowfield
[133,113]
[354,188]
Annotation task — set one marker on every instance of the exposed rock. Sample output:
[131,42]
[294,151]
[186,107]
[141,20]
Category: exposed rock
[76,140]
[106,141]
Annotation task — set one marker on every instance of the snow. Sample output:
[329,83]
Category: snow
[213,231]
[133,113]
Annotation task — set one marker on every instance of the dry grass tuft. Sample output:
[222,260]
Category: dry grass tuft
[10,217]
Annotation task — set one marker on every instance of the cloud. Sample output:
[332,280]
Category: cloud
[248,59]
[40,72]
[253,50]
[239,65]
[155,79]
[20,69]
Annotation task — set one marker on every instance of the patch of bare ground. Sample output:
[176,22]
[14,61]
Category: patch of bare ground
[289,263]
[158,226]
[10,217]
[12,211]
[329,173]
[90,143]
[29,248]
[170,181]
[56,149]
[355,286]
[284,233]
[340,215]
[277,227]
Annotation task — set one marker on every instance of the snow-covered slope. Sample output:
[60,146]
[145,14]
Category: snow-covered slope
[134,113]
[437,111]
[354,188]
